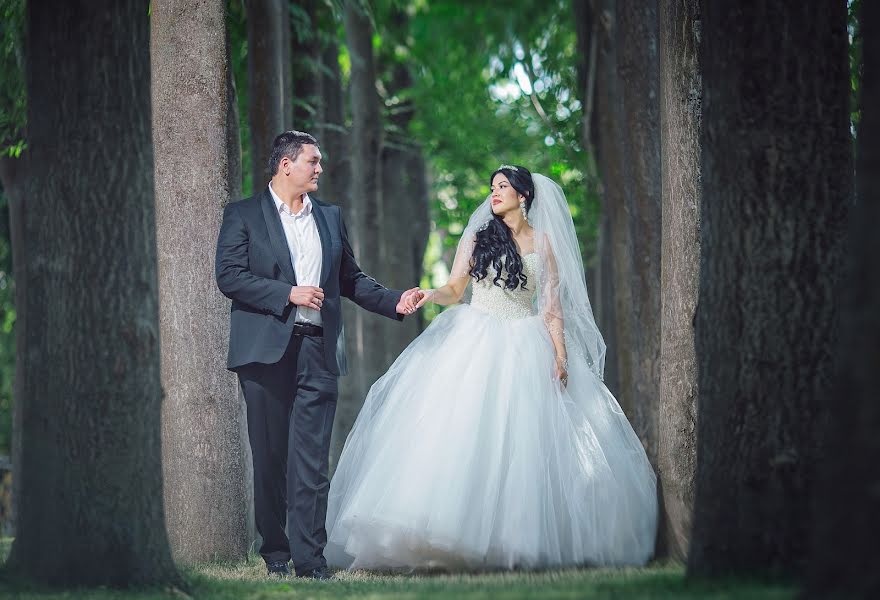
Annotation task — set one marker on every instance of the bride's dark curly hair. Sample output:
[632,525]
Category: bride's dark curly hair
[494,243]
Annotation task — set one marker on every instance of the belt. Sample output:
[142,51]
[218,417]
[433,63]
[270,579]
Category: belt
[308,329]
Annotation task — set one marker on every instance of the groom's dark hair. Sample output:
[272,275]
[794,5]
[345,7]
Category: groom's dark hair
[289,144]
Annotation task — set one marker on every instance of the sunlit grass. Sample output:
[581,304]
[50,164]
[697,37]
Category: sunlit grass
[247,580]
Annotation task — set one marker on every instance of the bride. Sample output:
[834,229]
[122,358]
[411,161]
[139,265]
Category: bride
[491,442]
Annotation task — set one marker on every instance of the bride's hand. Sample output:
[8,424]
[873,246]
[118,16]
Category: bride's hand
[560,371]
[427,296]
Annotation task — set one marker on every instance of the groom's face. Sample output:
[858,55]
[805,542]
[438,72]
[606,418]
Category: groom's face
[303,173]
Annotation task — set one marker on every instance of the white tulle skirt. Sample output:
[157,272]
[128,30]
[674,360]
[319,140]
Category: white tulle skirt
[468,454]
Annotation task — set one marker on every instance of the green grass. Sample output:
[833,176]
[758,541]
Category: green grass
[246,580]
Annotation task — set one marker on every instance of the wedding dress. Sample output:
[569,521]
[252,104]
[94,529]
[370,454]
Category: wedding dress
[468,454]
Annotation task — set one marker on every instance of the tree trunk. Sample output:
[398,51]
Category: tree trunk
[639,69]
[365,214]
[404,193]
[847,515]
[265,83]
[287,58]
[91,434]
[335,188]
[306,58]
[334,137]
[206,497]
[596,56]
[680,96]
[420,226]
[776,191]
[233,132]
[406,204]
[586,25]
[234,171]
[638,65]
[12,178]
[612,300]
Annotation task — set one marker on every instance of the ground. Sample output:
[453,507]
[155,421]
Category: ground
[247,581]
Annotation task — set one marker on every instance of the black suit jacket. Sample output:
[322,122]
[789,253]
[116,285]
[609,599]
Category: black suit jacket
[254,270]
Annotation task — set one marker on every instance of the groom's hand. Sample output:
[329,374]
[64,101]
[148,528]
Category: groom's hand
[306,295]
[408,301]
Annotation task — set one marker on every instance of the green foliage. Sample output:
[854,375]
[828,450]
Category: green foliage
[497,84]
[13,118]
[13,103]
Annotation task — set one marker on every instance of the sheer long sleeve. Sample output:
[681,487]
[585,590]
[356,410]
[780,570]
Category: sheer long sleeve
[459,275]
[550,303]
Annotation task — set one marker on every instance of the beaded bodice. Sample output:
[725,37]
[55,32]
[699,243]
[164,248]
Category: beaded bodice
[503,303]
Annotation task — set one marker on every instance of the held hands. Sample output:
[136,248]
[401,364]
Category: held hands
[307,296]
[409,301]
[427,296]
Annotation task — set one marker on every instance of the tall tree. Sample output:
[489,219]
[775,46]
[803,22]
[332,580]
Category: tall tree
[267,49]
[306,46]
[205,463]
[404,179]
[12,178]
[680,115]
[365,213]
[639,69]
[287,58]
[91,402]
[13,122]
[847,514]
[612,289]
[776,191]
[335,181]
[587,34]
[628,147]
[329,116]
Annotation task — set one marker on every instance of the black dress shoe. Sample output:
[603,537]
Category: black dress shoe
[320,573]
[278,569]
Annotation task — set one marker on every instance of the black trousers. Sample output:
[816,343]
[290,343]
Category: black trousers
[290,410]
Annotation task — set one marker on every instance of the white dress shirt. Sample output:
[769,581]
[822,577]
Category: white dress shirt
[304,244]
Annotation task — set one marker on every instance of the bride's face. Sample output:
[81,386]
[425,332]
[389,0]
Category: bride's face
[504,198]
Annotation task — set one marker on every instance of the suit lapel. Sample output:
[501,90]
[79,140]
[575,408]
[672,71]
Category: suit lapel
[324,234]
[276,236]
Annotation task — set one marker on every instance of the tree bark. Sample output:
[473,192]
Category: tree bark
[234,171]
[404,192]
[206,497]
[335,181]
[611,296]
[306,58]
[12,178]
[265,82]
[365,215]
[776,191]
[638,65]
[91,435]
[334,136]
[847,515]
[233,131]
[287,58]
[680,120]
[596,63]
[406,204]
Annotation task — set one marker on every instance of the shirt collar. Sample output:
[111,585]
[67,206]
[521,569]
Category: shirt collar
[282,208]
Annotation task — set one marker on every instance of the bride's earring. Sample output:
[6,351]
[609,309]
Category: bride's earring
[522,208]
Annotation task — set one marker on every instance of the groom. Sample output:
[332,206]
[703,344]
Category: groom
[284,259]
